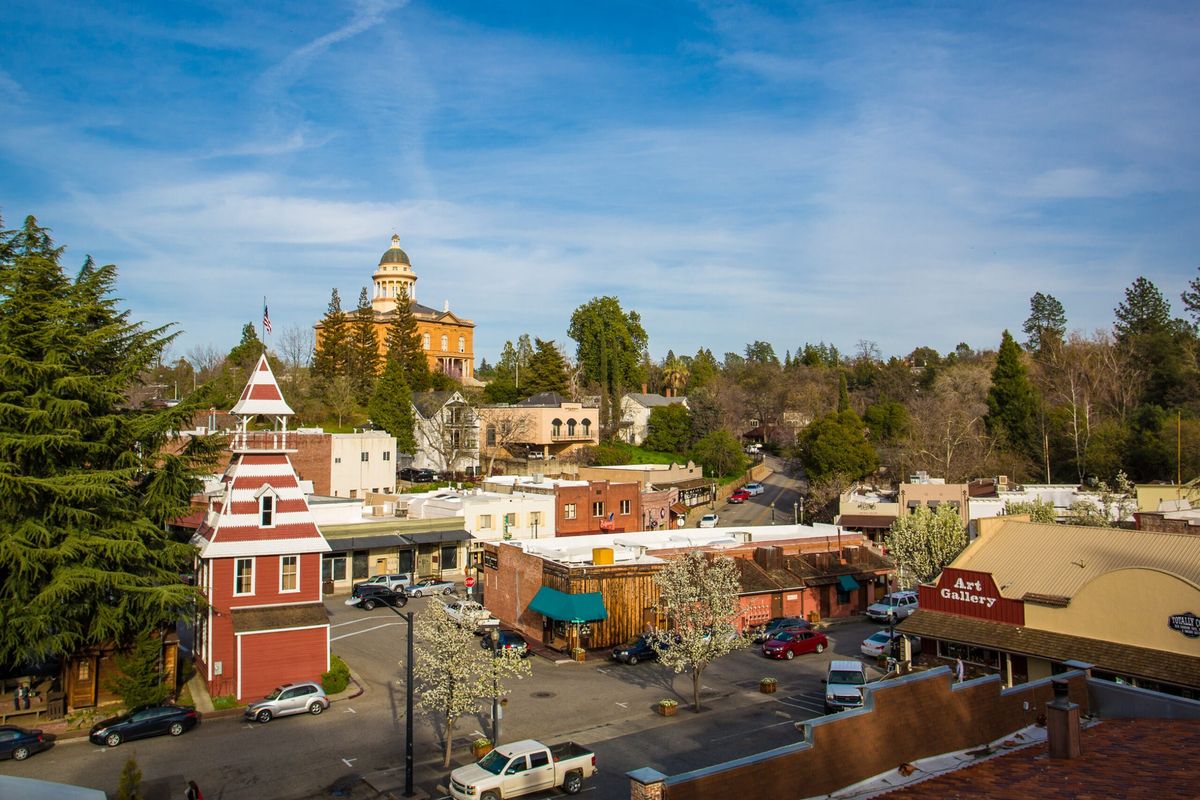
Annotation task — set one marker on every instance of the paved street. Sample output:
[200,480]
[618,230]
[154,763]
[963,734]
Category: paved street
[781,490]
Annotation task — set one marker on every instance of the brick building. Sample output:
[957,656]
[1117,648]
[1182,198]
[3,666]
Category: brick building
[598,507]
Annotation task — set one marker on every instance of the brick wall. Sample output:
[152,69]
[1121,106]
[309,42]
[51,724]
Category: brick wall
[510,588]
[611,494]
[313,459]
[922,715]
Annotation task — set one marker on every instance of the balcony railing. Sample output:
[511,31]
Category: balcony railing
[571,437]
[260,440]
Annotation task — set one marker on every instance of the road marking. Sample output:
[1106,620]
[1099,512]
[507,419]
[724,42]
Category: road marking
[602,671]
[356,621]
[623,705]
[368,630]
[349,762]
[349,711]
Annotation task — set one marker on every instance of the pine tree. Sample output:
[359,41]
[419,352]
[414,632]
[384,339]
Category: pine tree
[843,394]
[365,359]
[1144,311]
[546,371]
[404,344]
[1191,299]
[140,677]
[333,350]
[1012,405]
[1047,323]
[391,406]
[129,786]
[86,489]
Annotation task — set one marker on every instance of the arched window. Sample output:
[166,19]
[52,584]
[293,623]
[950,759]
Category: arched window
[556,427]
[587,427]
[425,340]
[462,344]
[571,427]
[445,343]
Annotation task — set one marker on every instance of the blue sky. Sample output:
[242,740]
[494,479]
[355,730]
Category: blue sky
[907,174]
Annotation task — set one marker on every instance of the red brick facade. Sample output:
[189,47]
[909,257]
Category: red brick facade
[313,459]
[577,507]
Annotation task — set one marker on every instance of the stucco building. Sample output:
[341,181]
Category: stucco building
[543,427]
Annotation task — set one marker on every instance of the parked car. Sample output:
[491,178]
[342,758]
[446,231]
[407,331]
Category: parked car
[640,649]
[20,743]
[144,721]
[369,595]
[844,684]
[880,643]
[740,496]
[427,587]
[521,768]
[395,582]
[754,488]
[414,475]
[506,640]
[291,698]
[902,604]
[709,520]
[796,642]
[463,611]
[776,624]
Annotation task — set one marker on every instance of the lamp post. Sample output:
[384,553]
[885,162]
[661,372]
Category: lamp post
[408,704]
[772,512]
[891,637]
[801,509]
[495,637]
[796,513]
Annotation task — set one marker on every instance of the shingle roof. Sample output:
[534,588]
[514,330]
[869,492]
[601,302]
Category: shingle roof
[429,403]
[1137,662]
[1122,758]
[262,395]
[654,400]
[543,399]
[1070,556]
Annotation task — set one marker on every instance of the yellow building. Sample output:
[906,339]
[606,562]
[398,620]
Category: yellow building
[448,339]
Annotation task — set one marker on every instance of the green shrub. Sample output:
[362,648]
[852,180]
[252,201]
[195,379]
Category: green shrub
[338,677]
[225,701]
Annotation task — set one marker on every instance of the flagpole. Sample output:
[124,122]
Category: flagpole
[263,324]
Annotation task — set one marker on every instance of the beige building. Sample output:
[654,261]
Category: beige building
[1026,601]
[932,492]
[543,427]
[646,474]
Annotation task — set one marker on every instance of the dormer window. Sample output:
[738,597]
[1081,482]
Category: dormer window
[266,508]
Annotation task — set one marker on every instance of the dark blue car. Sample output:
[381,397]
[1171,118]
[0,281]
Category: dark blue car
[145,721]
[20,743]
[640,649]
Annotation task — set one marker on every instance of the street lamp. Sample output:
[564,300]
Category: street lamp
[891,659]
[795,513]
[772,512]
[495,637]
[408,704]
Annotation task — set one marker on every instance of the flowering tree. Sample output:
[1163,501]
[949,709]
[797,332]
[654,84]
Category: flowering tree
[699,597]
[453,673]
[923,542]
[1039,510]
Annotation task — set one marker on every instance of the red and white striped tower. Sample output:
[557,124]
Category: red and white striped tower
[260,561]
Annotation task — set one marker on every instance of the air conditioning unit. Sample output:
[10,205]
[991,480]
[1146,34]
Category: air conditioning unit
[1001,481]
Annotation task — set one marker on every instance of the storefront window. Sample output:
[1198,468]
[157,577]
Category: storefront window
[333,568]
[450,557]
[360,565]
[970,654]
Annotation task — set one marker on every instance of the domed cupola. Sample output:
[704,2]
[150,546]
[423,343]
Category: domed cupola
[393,276]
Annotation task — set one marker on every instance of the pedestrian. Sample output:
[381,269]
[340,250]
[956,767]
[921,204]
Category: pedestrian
[25,693]
[959,670]
[17,698]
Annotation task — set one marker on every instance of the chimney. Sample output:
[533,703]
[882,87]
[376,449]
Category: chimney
[644,389]
[1062,722]
[669,390]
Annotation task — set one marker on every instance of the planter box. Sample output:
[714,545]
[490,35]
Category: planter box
[480,752]
[768,688]
[580,656]
[667,711]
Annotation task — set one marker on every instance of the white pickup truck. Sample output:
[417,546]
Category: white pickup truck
[521,768]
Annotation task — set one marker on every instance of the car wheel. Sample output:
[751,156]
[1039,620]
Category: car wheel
[368,605]
[113,739]
[789,655]
[316,708]
[20,754]
[175,729]
[402,600]
[573,783]
[633,660]
[490,796]
[448,590]
[263,716]
[820,648]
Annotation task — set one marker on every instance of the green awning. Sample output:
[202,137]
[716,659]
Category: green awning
[848,583]
[563,607]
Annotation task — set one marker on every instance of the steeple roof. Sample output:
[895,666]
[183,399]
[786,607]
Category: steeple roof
[262,395]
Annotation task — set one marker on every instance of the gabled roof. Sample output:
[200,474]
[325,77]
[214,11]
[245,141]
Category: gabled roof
[545,399]
[655,400]
[430,403]
[262,395]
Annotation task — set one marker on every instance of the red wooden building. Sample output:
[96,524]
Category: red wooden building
[260,561]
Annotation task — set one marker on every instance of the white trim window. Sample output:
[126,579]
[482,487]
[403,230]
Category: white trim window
[243,577]
[289,574]
[626,507]
[568,511]
[266,510]
[598,508]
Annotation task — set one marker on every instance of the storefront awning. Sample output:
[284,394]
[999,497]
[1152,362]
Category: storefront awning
[848,583]
[563,607]
[438,537]
[871,521]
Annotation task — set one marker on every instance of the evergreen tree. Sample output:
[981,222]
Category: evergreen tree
[1012,405]
[719,454]
[405,345]
[391,406]
[332,357]
[86,488]
[610,344]
[139,680]
[837,444]
[670,429]
[524,352]
[547,370]
[843,394]
[129,786]
[229,382]
[1191,299]
[1047,323]
[1144,311]
[364,357]
[701,370]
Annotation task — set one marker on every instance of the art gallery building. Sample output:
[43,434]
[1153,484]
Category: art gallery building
[1028,600]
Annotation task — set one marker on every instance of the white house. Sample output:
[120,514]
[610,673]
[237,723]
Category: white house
[635,414]
[447,433]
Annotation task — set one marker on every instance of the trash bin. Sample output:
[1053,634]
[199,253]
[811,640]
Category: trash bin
[56,705]
[327,587]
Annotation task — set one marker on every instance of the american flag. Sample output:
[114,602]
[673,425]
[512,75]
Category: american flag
[266,319]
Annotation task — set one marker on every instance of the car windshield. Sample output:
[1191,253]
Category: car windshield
[879,638]
[784,637]
[275,694]
[846,676]
[493,762]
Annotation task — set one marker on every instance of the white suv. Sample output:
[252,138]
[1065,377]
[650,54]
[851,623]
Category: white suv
[844,685]
[899,604]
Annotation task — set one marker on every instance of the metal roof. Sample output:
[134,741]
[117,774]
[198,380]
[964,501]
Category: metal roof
[1059,560]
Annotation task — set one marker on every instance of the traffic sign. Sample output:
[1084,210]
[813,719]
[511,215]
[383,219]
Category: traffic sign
[470,582]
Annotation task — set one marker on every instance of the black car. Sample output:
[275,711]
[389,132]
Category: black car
[508,640]
[776,624]
[640,649]
[368,595]
[20,743]
[144,721]
[414,475]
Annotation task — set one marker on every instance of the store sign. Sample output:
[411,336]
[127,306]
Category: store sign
[1188,624]
[967,591]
